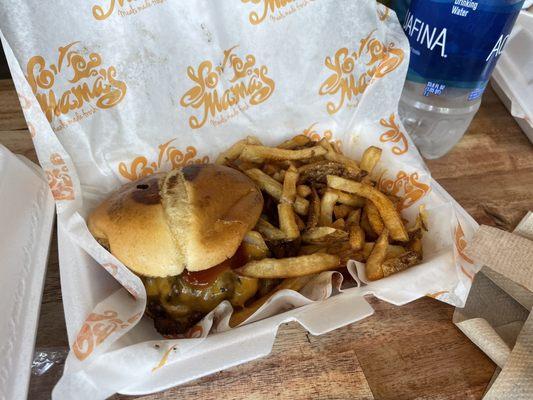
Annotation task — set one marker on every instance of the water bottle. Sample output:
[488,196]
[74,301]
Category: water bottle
[454,47]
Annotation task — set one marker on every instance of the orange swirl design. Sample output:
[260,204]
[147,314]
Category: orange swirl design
[168,155]
[460,243]
[59,179]
[314,135]
[250,86]
[405,186]
[346,84]
[394,135]
[89,82]
[383,12]
[96,329]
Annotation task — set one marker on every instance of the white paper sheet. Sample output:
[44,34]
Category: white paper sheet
[113,90]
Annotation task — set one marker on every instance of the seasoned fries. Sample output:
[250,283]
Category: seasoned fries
[341,211]
[269,231]
[275,189]
[289,267]
[397,264]
[303,190]
[259,154]
[370,158]
[321,209]
[374,218]
[356,237]
[287,217]
[314,210]
[351,200]
[242,315]
[326,208]
[297,141]
[234,151]
[373,266]
[391,217]
[323,234]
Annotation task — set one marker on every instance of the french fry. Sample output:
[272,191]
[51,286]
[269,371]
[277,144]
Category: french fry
[346,161]
[314,210]
[338,247]
[374,218]
[299,222]
[323,234]
[318,171]
[288,194]
[350,254]
[336,147]
[255,238]
[353,217]
[420,222]
[254,246]
[287,222]
[415,245]
[287,219]
[356,237]
[400,263]
[296,141]
[390,216]
[289,267]
[259,154]
[370,158]
[277,176]
[313,248]
[325,144]
[238,317]
[339,223]
[269,231]
[271,169]
[303,190]
[275,189]
[365,224]
[341,211]
[326,208]
[392,250]
[373,264]
[351,200]
[235,151]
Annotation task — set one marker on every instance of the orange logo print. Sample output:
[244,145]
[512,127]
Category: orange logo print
[275,9]
[124,7]
[393,135]
[460,243]
[96,329]
[314,135]
[168,154]
[249,86]
[375,59]
[406,187]
[383,12]
[113,270]
[77,82]
[59,179]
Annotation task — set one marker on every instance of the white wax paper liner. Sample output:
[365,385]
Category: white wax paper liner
[141,87]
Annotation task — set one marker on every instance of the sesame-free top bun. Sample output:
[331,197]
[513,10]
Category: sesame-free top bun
[192,218]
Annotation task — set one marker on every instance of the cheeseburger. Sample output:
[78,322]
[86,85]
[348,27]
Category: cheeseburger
[182,232]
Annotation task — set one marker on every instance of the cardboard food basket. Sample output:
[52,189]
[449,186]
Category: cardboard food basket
[116,90]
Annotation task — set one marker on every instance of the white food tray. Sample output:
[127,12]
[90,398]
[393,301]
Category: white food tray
[26,215]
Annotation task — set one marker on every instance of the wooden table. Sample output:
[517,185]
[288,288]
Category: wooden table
[410,352]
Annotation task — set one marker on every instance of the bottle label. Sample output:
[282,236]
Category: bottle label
[456,43]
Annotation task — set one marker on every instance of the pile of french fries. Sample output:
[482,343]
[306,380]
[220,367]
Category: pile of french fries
[321,210]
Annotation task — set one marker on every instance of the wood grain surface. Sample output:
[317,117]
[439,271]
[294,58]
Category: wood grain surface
[409,352]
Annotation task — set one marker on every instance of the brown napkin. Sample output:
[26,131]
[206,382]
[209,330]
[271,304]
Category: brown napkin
[498,304]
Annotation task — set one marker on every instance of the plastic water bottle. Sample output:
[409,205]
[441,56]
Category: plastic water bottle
[454,47]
